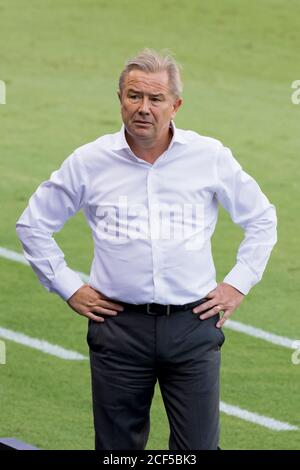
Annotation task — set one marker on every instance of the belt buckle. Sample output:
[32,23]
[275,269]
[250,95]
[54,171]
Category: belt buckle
[168,309]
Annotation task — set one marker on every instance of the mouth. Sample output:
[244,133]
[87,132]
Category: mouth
[143,123]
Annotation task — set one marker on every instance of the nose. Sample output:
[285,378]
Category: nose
[144,106]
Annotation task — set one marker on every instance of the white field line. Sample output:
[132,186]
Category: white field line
[261,334]
[19,258]
[231,410]
[255,418]
[62,353]
[41,345]
[230,324]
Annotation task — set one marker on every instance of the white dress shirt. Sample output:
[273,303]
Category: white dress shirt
[151,223]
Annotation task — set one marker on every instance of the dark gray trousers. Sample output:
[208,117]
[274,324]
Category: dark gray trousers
[129,353]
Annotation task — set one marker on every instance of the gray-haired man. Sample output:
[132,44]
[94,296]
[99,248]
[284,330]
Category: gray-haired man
[150,194]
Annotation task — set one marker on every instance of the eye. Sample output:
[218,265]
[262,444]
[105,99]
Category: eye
[133,97]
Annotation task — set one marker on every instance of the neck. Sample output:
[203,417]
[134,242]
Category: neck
[148,150]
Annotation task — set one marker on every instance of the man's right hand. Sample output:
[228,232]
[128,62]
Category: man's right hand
[87,302]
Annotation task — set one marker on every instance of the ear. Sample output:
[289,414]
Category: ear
[119,95]
[176,106]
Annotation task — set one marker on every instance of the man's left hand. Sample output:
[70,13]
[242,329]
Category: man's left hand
[224,298]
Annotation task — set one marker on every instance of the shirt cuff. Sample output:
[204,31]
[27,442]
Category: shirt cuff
[66,283]
[241,277]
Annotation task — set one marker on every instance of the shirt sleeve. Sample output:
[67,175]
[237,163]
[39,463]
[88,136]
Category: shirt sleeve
[241,196]
[53,203]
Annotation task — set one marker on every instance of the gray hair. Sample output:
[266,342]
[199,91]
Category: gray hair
[150,61]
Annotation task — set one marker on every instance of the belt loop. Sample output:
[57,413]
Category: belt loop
[168,309]
[148,308]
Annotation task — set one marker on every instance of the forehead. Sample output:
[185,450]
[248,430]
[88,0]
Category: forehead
[152,83]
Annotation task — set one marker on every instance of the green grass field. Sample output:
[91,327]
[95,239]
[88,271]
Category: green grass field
[60,61]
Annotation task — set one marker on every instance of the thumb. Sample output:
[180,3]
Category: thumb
[223,319]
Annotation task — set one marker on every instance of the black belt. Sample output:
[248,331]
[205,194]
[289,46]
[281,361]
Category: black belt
[159,309]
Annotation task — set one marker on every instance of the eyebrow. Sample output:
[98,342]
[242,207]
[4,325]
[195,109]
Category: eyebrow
[155,95]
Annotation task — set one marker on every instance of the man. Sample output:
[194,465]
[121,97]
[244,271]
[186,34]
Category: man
[150,194]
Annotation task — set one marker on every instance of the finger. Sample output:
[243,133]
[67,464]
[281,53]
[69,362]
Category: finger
[211,294]
[204,306]
[214,311]
[110,305]
[93,317]
[223,319]
[104,311]
[106,301]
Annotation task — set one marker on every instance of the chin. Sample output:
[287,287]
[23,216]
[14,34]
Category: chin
[141,132]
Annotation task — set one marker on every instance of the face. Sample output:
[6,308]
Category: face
[147,105]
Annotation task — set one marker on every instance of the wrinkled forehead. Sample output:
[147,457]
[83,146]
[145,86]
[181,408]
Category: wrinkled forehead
[147,83]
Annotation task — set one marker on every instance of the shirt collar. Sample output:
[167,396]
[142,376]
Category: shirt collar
[121,142]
